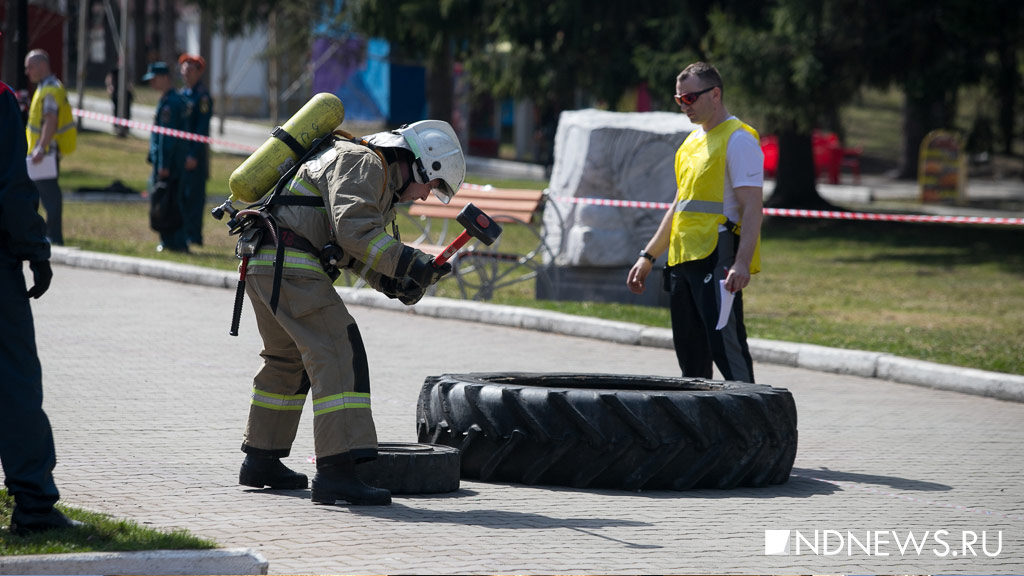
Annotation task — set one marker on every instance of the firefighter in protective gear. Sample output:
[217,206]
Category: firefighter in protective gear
[311,343]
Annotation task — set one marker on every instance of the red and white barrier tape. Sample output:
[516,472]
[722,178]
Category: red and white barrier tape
[160,130]
[785,212]
[823,214]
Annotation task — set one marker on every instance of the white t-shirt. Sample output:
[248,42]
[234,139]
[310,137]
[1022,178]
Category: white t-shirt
[744,166]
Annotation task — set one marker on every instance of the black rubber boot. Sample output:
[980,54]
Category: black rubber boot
[259,472]
[24,523]
[339,482]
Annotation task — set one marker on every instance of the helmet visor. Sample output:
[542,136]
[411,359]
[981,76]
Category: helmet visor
[443,192]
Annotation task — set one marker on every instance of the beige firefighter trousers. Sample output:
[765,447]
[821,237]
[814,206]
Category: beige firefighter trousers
[311,344]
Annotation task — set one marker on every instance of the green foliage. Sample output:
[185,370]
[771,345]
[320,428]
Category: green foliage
[101,533]
[796,65]
[551,52]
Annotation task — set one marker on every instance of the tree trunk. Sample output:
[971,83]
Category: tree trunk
[795,186]
[222,80]
[138,59]
[1007,81]
[273,82]
[168,16]
[440,89]
[923,112]
[15,38]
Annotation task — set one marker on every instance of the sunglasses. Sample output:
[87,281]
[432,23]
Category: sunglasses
[689,98]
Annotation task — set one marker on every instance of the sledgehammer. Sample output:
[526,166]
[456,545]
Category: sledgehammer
[477,225]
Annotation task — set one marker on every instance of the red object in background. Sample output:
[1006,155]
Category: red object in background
[46,31]
[770,149]
[829,156]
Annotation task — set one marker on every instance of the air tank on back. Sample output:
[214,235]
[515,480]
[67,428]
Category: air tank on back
[258,174]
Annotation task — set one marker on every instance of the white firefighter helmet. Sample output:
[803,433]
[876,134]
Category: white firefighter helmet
[437,153]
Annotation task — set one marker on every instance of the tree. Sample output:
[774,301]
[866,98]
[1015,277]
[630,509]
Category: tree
[436,32]
[793,64]
[931,48]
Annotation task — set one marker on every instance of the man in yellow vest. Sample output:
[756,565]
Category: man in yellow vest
[50,131]
[712,231]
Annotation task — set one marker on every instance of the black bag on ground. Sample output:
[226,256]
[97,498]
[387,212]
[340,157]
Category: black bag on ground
[164,212]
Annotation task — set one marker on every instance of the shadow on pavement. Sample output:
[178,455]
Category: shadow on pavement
[837,477]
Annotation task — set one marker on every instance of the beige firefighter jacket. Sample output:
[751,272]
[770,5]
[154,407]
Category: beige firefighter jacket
[360,189]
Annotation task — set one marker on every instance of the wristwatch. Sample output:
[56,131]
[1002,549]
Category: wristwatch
[646,254]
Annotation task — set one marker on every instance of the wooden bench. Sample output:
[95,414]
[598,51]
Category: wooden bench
[479,269]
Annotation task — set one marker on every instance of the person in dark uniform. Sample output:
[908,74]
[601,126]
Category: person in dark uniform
[197,163]
[26,439]
[167,153]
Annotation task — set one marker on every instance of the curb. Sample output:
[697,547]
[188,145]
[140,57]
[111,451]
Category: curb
[220,561]
[879,365]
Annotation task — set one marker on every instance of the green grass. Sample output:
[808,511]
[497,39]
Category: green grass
[942,293]
[100,534]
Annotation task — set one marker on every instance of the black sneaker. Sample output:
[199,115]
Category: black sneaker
[24,523]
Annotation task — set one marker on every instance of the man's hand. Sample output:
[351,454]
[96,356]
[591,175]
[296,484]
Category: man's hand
[737,278]
[42,274]
[409,292]
[37,154]
[423,272]
[405,289]
[637,279]
[191,163]
[163,173]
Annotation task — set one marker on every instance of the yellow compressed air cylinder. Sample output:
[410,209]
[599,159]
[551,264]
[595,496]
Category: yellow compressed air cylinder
[264,167]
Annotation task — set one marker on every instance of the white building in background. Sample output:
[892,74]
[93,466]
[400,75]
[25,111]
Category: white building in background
[236,70]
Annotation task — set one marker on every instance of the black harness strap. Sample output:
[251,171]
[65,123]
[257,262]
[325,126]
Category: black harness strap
[287,138]
[298,201]
[732,227]
[276,199]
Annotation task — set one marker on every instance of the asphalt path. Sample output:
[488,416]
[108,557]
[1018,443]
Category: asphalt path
[148,397]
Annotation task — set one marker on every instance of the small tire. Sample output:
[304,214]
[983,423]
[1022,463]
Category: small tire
[405,468]
[611,431]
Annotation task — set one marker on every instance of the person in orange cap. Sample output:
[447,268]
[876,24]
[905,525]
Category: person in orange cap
[197,162]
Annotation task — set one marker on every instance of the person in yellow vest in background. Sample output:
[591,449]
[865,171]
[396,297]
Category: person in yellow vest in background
[712,231]
[50,131]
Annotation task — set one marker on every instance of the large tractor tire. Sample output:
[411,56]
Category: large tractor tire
[412,468]
[611,431]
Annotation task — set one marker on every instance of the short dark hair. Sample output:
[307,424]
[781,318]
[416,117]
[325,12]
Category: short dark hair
[705,72]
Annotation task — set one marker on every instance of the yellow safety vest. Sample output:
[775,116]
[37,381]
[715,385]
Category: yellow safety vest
[700,176]
[66,135]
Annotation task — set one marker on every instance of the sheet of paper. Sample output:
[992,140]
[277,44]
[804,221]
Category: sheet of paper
[723,313]
[45,170]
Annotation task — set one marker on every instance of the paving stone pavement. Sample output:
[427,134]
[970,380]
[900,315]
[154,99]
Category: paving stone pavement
[148,397]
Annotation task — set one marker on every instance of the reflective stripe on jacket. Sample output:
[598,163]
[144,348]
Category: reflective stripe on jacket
[700,166]
[66,135]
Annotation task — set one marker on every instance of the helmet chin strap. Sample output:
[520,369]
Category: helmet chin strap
[421,170]
[406,181]
[400,191]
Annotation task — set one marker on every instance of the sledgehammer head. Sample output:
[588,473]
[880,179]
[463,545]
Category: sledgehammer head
[478,224]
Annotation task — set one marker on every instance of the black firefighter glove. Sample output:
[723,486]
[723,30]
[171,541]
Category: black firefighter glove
[42,274]
[405,289]
[422,270]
